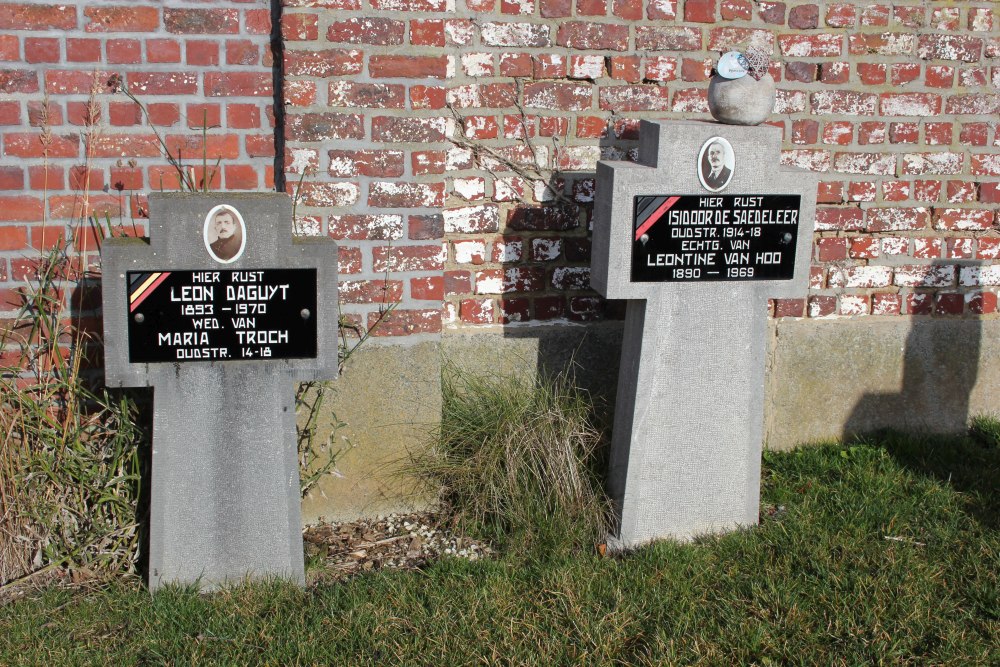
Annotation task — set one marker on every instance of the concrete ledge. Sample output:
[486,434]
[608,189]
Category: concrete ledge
[825,380]
[389,397]
[589,352]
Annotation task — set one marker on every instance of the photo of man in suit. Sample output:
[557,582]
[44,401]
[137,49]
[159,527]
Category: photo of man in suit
[224,234]
[716,158]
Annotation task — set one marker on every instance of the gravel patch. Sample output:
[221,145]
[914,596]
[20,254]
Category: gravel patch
[399,541]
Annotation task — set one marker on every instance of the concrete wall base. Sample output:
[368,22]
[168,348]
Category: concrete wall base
[835,379]
[389,398]
[826,380]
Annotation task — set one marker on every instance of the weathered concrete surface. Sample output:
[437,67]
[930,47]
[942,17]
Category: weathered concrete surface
[825,379]
[832,379]
[389,397]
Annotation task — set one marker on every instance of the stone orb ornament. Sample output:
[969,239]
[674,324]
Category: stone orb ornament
[743,101]
[742,92]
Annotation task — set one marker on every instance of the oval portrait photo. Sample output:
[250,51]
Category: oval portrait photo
[716,164]
[225,234]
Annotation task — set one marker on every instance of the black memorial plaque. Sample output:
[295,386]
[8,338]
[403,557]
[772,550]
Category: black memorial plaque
[718,237]
[218,315]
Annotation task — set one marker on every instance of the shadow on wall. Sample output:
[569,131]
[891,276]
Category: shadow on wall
[546,265]
[87,327]
[553,266]
[940,371]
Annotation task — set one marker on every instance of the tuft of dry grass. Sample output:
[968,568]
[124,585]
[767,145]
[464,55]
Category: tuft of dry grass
[515,455]
[69,466]
[985,428]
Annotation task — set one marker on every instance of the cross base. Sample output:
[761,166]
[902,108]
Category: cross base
[220,512]
[686,444]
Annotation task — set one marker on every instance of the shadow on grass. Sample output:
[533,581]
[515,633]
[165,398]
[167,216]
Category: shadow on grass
[970,467]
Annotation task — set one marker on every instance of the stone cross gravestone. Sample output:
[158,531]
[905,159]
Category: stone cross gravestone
[221,312]
[696,236]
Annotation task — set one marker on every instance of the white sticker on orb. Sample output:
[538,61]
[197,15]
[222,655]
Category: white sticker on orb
[732,65]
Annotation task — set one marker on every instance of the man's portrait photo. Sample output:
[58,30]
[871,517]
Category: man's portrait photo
[225,234]
[716,163]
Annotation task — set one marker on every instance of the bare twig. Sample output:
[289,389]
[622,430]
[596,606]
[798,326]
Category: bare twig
[535,174]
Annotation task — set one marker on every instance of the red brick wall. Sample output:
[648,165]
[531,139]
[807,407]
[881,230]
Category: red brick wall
[66,154]
[450,144]
[443,121]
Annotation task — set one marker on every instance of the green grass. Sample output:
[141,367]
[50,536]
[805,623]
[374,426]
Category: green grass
[986,429]
[817,583]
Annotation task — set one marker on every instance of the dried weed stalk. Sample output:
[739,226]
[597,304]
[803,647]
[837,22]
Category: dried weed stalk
[69,466]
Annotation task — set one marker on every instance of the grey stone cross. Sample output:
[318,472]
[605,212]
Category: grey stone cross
[697,243]
[211,313]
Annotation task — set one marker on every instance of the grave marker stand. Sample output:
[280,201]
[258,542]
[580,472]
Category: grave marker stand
[225,493]
[686,443]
